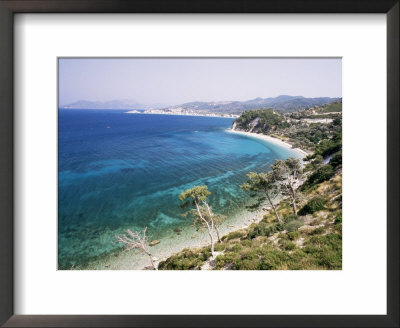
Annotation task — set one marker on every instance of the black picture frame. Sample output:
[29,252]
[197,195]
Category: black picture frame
[10,7]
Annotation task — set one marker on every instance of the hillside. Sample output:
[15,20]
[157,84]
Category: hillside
[310,241]
[282,103]
[309,129]
[282,240]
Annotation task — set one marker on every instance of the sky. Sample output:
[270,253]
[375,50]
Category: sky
[176,81]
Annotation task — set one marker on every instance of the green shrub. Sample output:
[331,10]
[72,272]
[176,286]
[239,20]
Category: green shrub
[311,249]
[249,253]
[317,161]
[313,165]
[219,247]
[313,205]
[283,236]
[246,264]
[272,259]
[336,160]
[338,228]
[225,259]
[293,225]
[326,251]
[330,146]
[248,260]
[293,235]
[234,235]
[318,231]
[280,226]
[236,248]
[338,218]
[324,173]
[287,245]
[180,264]
[309,157]
[290,217]
[258,230]
[246,243]
[264,229]
[265,218]
[299,260]
[186,260]
[203,253]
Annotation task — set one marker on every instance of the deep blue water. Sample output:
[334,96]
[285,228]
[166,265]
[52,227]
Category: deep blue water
[119,171]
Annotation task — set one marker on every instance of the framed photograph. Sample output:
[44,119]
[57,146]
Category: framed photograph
[199,164]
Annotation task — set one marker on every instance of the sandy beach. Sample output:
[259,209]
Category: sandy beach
[172,243]
[270,139]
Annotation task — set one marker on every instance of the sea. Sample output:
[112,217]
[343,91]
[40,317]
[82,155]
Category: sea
[119,171]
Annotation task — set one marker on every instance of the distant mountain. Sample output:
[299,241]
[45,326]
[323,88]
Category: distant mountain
[112,104]
[283,103]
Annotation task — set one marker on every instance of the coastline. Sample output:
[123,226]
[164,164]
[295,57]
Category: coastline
[270,139]
[183,114]
[172,243]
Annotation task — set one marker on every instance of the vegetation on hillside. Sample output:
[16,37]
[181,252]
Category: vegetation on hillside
[331,108]
[304,230]
[266,120]
[310,241]
[282,104]
[304,129]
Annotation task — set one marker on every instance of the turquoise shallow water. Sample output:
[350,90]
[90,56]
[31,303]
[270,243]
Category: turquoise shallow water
[120,171]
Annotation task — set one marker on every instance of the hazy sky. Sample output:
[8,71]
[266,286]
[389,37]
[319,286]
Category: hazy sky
[176,81]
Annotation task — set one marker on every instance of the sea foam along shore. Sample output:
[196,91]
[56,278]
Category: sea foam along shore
[270,139]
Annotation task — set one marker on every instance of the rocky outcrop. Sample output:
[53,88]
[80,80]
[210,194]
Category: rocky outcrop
[249,128]
[253,124]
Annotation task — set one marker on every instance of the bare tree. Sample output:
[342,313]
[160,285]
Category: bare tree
[202,214]
[136,240]
[288,173]
[216,219]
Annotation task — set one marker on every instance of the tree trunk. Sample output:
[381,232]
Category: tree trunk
[208,228]
[293,197]
[273,207]
[151,260]
[213,225]
[294,206]
[212,243]
[219,238]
